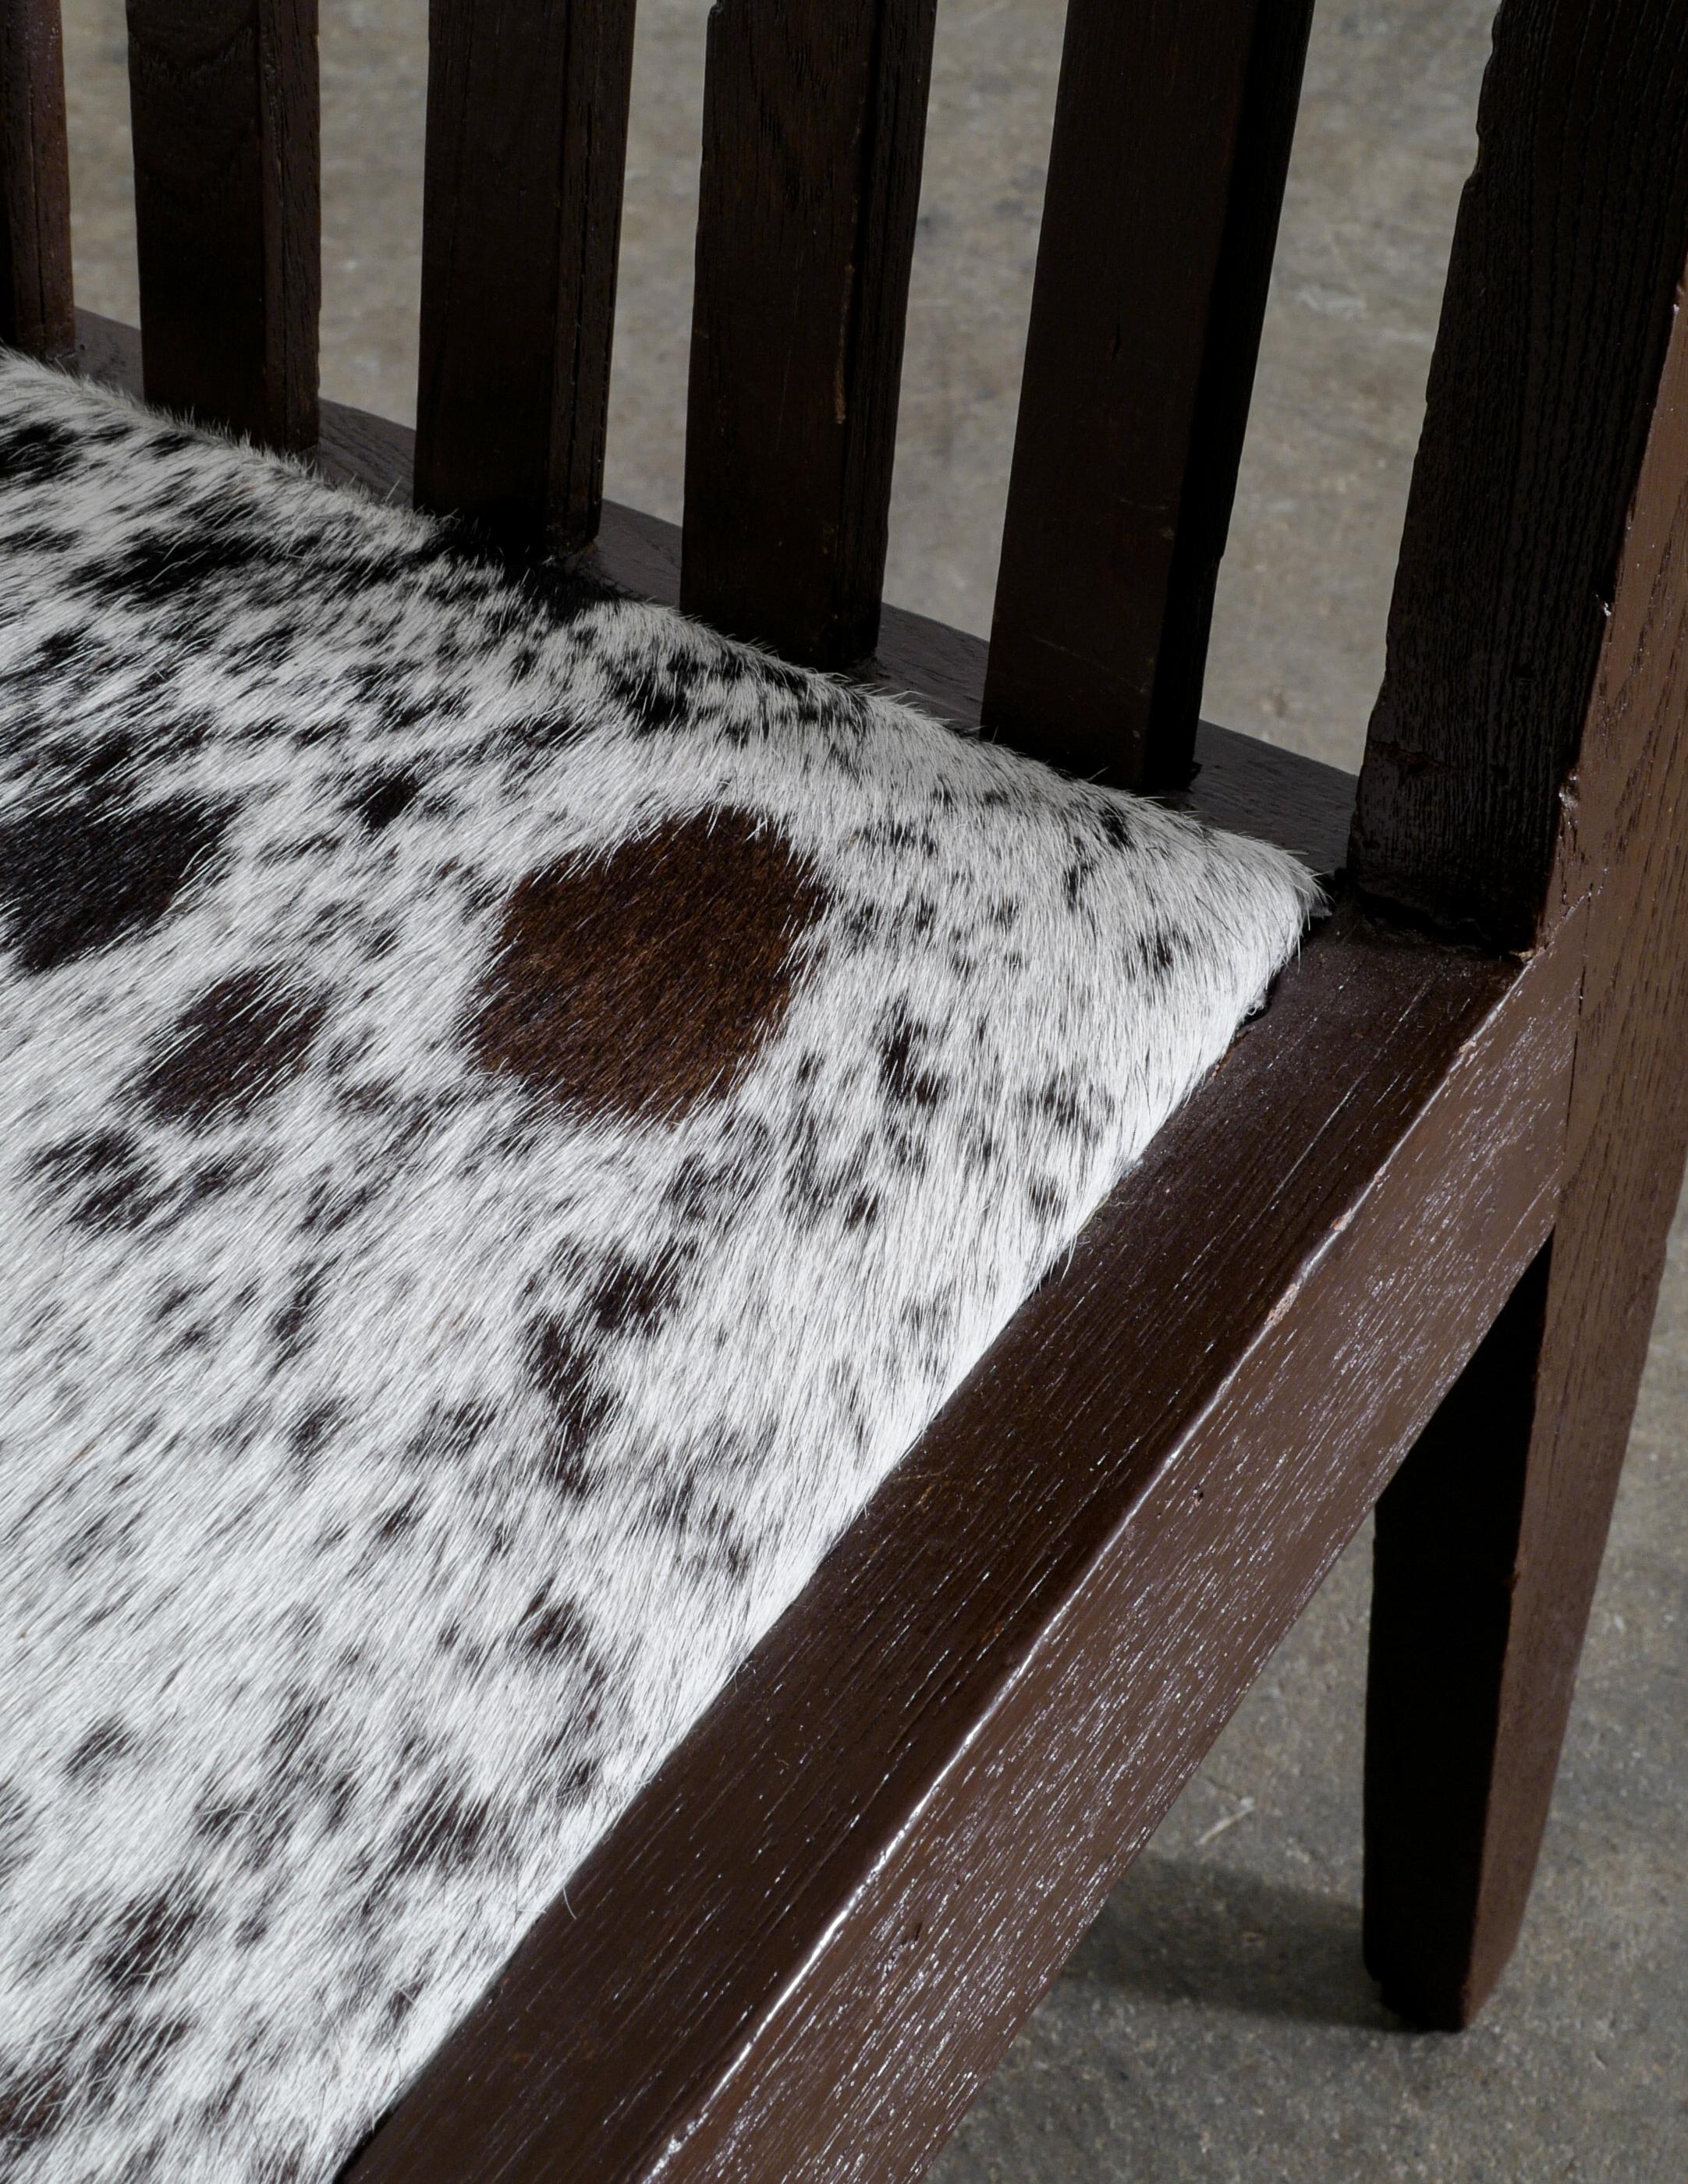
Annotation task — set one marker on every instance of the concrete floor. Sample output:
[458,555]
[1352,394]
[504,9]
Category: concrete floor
[1216,2024]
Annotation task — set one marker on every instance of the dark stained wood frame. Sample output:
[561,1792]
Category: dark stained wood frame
[521,219]
[1430,1188]
[35,182]
[223,105]
[813,124]
[1171,145]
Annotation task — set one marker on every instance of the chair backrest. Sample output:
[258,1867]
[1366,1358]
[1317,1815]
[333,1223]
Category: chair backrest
[1172,138]
[1171,145]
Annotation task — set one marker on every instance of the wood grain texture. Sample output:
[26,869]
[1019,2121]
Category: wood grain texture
[223,98]
[814,123]
[1571,235]
[1489,1546]
[521,219]
[1171,141]
[35,310]
[818,1927]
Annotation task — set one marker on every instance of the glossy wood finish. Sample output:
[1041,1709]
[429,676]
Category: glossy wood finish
[1171,141]
[817,1928]
[1571,236]
[36,313]
[526,147]
[223,98]
[814,123]
[1489,1546]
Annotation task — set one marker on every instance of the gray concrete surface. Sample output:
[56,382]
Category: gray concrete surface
[1216,2024]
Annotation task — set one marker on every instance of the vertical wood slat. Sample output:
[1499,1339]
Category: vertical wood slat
[1173,123]
[223,96]
[527,147]
[814,126]
[1571,234]
[35,305]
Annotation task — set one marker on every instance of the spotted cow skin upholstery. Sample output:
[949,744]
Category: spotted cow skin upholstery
[516,1111]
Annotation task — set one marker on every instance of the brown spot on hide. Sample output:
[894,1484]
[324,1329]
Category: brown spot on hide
[105,1747]
[237,1043]
[550,1627]
[35,2102]
[643,983]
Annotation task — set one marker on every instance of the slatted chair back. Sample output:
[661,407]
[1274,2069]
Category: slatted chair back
[1523,761]
[1170,148]
[1171,143]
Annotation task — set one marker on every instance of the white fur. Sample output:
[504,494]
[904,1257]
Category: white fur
[377,1682]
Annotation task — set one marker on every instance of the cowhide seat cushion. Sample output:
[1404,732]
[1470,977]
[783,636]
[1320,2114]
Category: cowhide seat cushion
[516,1111]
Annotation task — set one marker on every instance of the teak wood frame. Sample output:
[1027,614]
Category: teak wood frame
[1430,1189]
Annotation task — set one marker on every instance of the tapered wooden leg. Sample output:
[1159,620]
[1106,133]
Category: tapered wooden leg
[1448,1798]
[1489,1546]
[1490,1539]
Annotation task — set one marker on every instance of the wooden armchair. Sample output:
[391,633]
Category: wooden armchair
[1402,1251]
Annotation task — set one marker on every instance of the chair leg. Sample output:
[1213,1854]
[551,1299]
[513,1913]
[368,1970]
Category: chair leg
[1440,1777]
[1488,1549]
[1489,1542]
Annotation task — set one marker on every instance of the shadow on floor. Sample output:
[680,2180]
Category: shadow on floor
[1182,1930]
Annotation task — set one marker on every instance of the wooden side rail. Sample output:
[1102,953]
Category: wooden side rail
[814,123]
[223,94]
[521,220]
[801,1949]
[1172,142]
[36,313]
